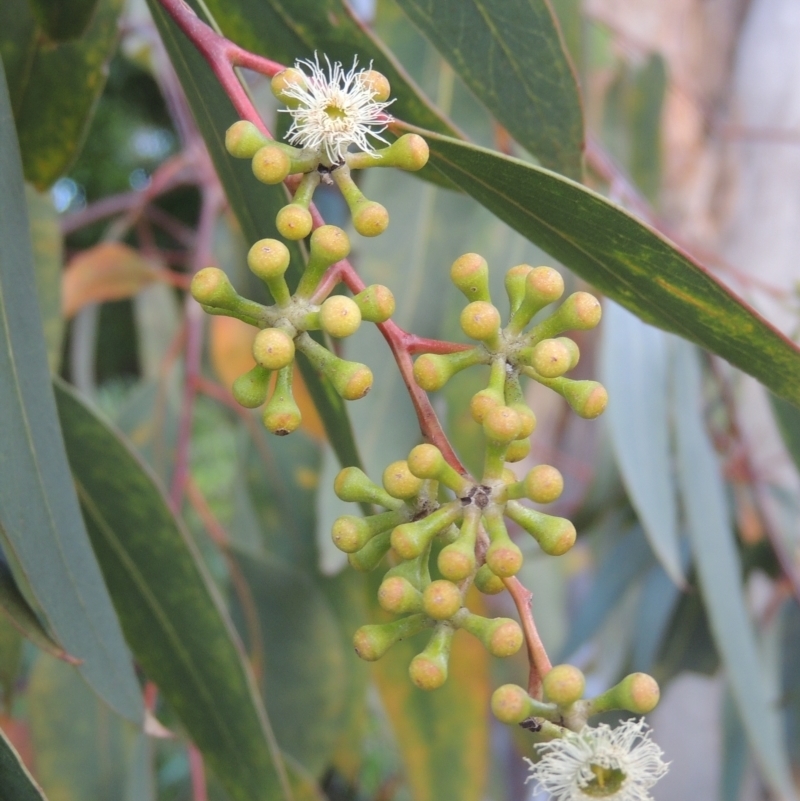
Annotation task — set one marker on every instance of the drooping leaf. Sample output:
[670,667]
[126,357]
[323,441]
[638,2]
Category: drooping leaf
[47,257]
[24,619]
[63,20]
[304,678]
[634,370]
[169,608]
[712,538]
[622,257]
[17,784]
[54,88]
[108,271]
[42,531]
[511,56]
[254,204]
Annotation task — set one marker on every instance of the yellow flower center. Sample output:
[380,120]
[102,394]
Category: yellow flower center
[334,112]
[606,782]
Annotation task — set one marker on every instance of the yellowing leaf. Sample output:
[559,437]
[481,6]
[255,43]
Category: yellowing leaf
[108,271]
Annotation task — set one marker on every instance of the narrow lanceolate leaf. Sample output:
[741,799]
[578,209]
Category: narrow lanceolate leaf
[624,258]
[16,783]
[62,20]
[711,534]
[40,523]
[254,204]
[54,88]
[788,418]
[172,616]
[24,619]
[634,371]
[511,56]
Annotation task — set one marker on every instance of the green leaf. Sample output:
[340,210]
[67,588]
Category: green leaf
[24,619]
[712,538]
[54,88]
[511,56]
[305,676]
[42,531]
[18,784]
[254,204]
[169,609]
[82,748]
[788,418]
[634,370]
[47,262]
[63,20]
[623,258]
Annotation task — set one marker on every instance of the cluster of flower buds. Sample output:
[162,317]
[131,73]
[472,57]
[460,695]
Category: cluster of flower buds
[285,324]
[330,113]
[563,705]
[539,353]
[413,520]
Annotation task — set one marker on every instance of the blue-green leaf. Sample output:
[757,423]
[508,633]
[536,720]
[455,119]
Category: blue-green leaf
[16,783]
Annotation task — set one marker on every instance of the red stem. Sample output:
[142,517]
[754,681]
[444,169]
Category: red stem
[197,773]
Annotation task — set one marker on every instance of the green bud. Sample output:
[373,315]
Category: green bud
[269,259]
[543,285]
[543,484]
[243,140]
[511,704]
[501,636]
[411,539]
[579,312]
[515,285]
[376,303]
[457,560]
[372,642]
[355,486]
[350,379]
[369,217]
[494,395]
[426,461]
[551,357]
[487,582]
[400,482]
[294,222]
[329,244]
[480,320]
[211,287]
[518,450]
[250,389]
[637,693]
[563,685]
[588,399]
[370,556]
[273,349]
[470,273]
[351,533]
[399,596]
[432,371]
[428,670]
[284,79]
[502,424]
[441,599]
[503,556]
[271,164]
[340,316]
[555,535]
[377,83]
[410,152]
[282,415]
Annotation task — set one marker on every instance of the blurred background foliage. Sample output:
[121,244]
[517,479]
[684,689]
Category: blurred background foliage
[684,497]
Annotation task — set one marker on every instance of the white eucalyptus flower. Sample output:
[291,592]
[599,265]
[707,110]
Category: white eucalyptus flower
[600,762]
[334,111]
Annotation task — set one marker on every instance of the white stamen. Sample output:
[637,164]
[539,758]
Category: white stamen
[335,111]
